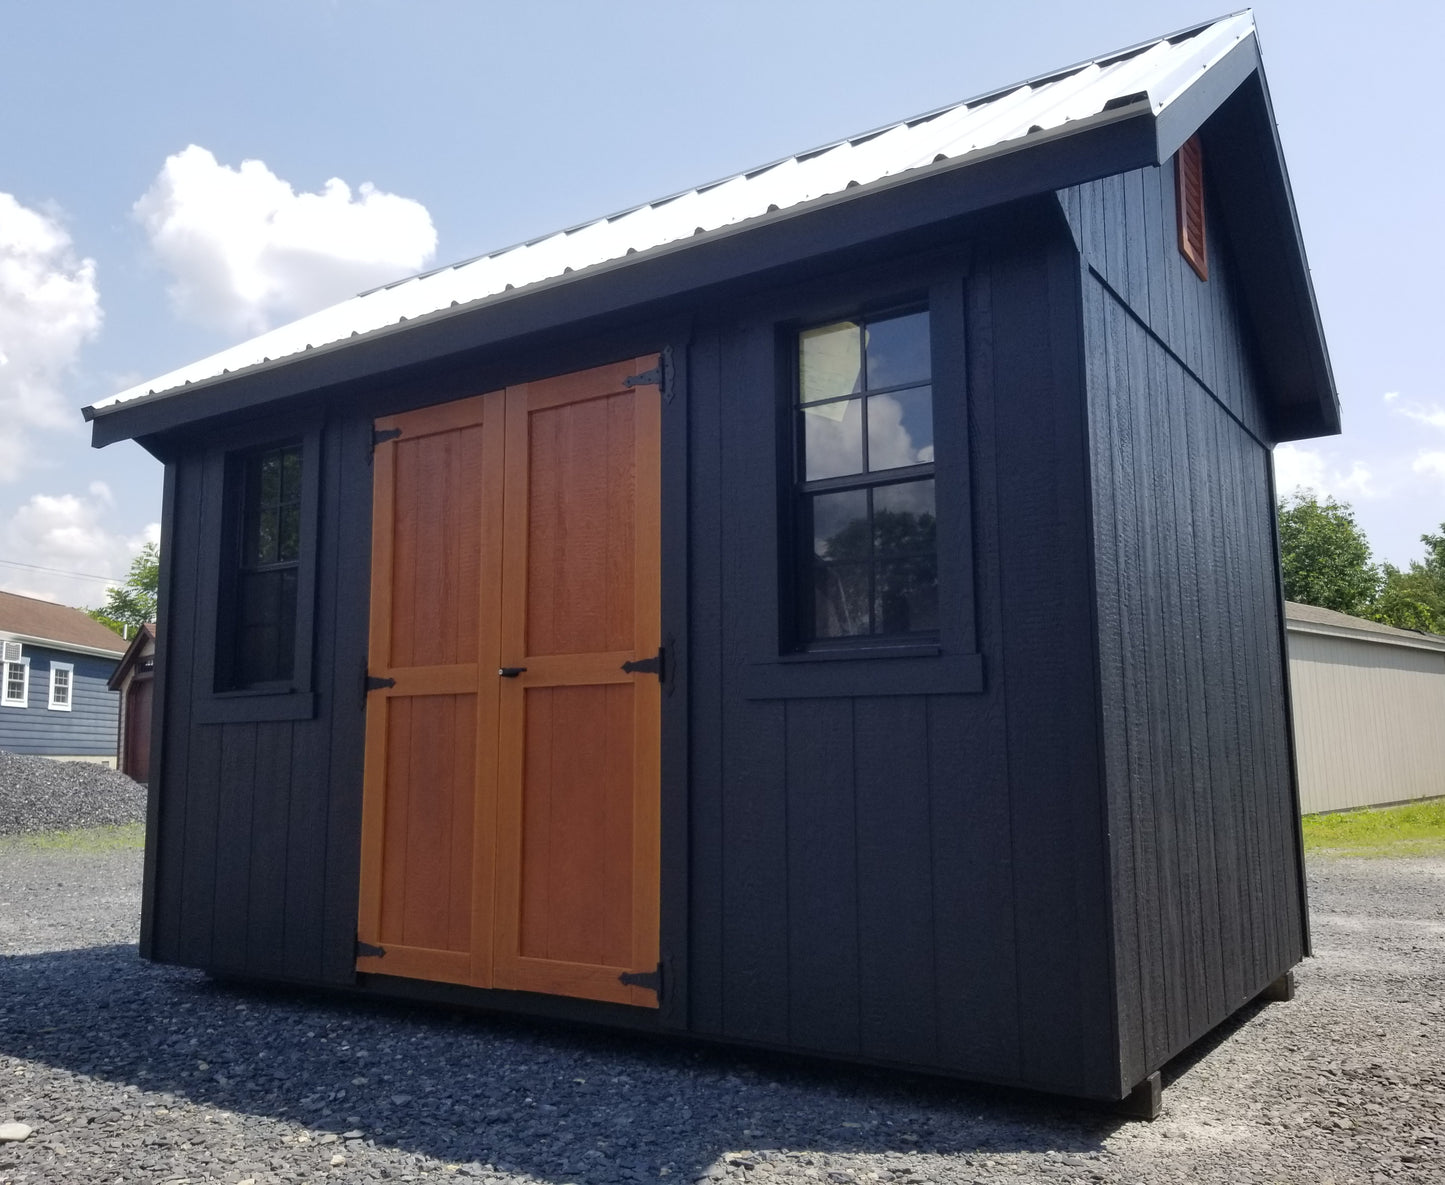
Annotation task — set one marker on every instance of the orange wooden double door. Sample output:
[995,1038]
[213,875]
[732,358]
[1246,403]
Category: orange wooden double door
[510,832]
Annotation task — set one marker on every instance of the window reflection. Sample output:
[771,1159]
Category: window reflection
[865,408]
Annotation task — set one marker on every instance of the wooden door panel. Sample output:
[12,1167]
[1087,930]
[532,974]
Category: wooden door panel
[431,775]
[427,818]
[577,825]
[437,549]
[510,832]
[577,789]
[581,503]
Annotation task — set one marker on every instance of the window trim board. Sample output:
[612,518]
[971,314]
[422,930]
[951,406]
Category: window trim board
[68,705]
[295,699]
[759,361]
[24,700]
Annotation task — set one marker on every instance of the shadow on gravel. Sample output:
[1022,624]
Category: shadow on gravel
[561,1103]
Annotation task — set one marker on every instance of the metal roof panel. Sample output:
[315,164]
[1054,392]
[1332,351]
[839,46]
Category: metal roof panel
[1163,69]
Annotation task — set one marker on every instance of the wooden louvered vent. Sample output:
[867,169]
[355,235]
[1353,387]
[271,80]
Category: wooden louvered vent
[1189,184]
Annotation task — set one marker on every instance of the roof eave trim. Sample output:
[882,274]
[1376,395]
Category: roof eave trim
[1417,642]
[56,644]
[1037,144]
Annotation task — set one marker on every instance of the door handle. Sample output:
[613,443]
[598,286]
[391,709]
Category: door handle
[510,672]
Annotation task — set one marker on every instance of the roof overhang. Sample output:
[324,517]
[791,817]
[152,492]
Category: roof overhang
[1409,641]
[56,644]
[1114,141]
[1228,102]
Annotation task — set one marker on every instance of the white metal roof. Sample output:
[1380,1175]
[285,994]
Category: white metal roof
[1161,70]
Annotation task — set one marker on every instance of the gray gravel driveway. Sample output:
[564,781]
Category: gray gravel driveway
[130,1072]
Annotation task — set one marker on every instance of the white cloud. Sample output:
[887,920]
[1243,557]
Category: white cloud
[1432,414]
[66,533]
[49,307]
[242,247]
[1430,465]
[1298,468]
[1391,396]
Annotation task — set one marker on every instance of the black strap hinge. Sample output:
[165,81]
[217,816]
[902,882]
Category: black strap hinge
[370,683]
[656,665]
[381,436]
[651,980]
[364,950]
[660,376]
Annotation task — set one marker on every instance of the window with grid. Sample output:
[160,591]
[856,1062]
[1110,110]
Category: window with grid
[62,676]
[17,683]
[864,488]
[263,637]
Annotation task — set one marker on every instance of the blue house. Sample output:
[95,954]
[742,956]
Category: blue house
[54,701]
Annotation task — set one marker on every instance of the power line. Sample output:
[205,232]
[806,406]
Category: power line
[64,572]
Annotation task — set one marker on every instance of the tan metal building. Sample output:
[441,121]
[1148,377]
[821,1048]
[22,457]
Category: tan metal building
[1369,710]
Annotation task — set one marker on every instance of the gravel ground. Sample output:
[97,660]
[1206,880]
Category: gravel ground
[130,1072]
[37,794]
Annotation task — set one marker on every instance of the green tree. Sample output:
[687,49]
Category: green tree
[1324,555]
[1414,599]
[130,605]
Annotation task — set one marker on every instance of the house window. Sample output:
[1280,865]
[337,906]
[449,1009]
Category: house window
[17,683]
[258,639]
[864,479]
[62,682]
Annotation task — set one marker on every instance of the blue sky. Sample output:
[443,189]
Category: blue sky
[389,135]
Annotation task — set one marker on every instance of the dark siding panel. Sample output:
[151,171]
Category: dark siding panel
[234,820]
[1193,714]
[976,953]
[202,788]
[896,917]
[333,758]
[822,831]
[707,853]
[1114,728]
[269,833]
[1129,232]
[755,874]
[975,922]
[1048,671]
[165,847]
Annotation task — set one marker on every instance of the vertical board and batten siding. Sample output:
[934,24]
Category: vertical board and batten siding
[259,821]
[1367,718]
[1208,906]
[87,730]
[908,878]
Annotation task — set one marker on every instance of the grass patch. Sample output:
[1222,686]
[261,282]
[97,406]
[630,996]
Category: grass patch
[1415,829]
[124,838]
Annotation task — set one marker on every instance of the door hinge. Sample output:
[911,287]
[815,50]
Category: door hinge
[651,980]
[364,950]
[370,683]
[660,376]
[381,436]
[656,665]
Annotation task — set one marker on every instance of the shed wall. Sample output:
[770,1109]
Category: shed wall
[1367,721]
[850,866]
[1206,868]
[87,730]
[913,878]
